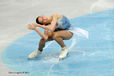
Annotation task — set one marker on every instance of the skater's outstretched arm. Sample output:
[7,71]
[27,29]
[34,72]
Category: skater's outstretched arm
[32,27]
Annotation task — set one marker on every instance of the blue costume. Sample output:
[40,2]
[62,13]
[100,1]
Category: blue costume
[64,24]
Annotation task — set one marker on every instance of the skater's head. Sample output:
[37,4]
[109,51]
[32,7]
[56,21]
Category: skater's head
[43,20]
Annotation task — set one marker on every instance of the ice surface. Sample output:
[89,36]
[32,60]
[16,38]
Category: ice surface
[87,57]
[16,14]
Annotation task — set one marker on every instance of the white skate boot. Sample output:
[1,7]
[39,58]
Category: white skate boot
[63,53]
[34,54]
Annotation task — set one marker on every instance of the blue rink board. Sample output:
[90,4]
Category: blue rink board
[87,57]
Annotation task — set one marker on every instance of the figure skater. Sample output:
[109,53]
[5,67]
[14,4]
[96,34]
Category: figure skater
[56,27]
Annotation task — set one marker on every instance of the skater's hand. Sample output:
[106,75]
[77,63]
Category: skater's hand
[35,24]
[31,27]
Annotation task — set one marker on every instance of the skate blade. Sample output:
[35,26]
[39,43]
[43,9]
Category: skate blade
[64,57]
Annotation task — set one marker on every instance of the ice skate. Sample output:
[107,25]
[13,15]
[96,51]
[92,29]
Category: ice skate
[64,53]
[34,54]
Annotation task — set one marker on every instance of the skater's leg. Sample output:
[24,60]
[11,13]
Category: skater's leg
[43,41]
[59,36]
[59,40]
[41,46]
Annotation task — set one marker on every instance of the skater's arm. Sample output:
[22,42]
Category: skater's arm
[46,33]
[41,34]
[50,27]
[32,27]
[42,26]
[53,23]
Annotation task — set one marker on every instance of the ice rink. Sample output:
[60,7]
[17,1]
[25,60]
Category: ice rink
[92,57]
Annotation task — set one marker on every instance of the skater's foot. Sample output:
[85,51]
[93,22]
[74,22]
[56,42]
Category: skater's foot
[34,54]
[63,53]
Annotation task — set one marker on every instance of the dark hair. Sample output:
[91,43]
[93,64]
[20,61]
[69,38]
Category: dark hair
[37,21]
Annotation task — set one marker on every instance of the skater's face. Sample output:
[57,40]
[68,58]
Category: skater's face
[43,19]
